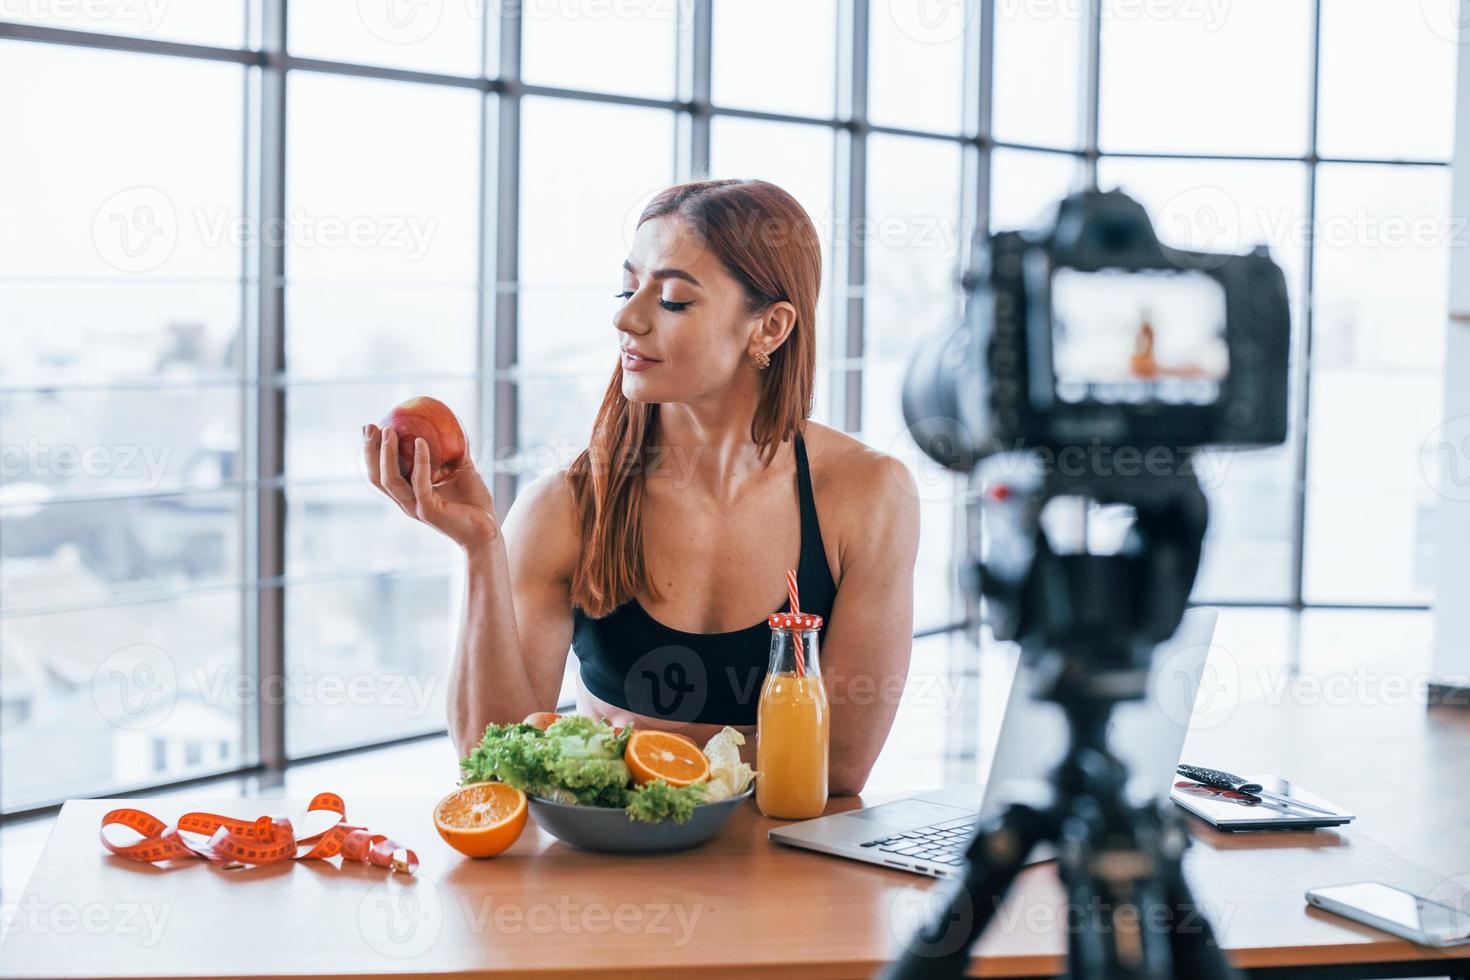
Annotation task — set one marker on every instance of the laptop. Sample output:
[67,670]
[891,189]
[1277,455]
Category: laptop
[929,833]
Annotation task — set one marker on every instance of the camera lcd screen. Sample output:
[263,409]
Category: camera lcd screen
[1136,337]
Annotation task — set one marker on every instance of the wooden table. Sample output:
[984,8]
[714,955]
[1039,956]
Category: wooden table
[737,907]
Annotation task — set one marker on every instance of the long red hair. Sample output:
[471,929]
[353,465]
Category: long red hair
[768,243]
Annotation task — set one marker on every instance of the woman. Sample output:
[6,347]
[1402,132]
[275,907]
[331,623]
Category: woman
[659,552]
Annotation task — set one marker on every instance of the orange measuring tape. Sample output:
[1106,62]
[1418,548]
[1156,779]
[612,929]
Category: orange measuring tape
[265,840]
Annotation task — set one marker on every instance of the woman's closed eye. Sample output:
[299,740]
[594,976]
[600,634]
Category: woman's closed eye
[668,304]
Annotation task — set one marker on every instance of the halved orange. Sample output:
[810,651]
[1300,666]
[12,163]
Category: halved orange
[665,755]
[482,819]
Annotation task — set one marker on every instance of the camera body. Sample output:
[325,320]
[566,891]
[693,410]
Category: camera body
[1089,332]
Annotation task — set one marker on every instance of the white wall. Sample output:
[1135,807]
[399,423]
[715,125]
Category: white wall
[1452,441]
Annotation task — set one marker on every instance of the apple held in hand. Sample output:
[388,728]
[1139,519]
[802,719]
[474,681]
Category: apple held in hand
[434,422]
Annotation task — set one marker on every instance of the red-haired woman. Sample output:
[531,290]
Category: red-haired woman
[659,552]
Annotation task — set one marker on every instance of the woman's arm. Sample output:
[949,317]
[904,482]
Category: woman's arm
[865,653]
[517,626]
[500,672]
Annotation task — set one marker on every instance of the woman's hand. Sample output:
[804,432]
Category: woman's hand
[460,508]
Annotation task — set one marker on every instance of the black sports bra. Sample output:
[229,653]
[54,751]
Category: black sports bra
[630,659]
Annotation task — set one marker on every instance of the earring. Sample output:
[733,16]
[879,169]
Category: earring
[762,359]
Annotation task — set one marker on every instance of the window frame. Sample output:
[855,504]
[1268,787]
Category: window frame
[267,61]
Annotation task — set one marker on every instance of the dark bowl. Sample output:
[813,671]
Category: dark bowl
[603,828]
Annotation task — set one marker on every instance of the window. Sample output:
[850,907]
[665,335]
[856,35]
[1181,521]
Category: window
[571,45]
[434,37]
[1403,106]
[220,22]
[382,180]
[775,55]
[797,157]
[454,229]
[912,238]
[121,496]
[1376,393]
[917,62]
[1039,87]
[1222,206]
[1172,80]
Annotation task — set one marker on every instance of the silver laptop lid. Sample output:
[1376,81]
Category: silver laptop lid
[1148,734]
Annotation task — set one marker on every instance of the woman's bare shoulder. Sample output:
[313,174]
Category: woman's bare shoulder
[839,459]
[862,494]
[543,521]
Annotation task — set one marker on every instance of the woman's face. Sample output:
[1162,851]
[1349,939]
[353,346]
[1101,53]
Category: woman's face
[685,323]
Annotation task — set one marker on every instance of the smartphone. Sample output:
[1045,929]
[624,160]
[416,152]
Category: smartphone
[1396,911]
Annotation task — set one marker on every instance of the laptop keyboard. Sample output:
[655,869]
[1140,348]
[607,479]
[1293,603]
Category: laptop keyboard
[942,844]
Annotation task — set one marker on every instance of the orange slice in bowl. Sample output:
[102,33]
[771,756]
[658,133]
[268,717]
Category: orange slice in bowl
[482,819]
[664,755]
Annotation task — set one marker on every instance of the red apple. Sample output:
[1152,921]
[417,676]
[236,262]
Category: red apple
[433,421]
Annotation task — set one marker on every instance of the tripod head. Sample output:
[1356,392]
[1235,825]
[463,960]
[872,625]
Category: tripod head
[1087,622]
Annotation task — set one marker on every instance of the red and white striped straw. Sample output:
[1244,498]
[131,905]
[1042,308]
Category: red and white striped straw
[795,608]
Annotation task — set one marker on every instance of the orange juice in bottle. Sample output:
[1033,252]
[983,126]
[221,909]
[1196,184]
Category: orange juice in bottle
[792,723]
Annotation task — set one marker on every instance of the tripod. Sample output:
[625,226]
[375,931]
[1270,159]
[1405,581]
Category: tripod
[1087,625]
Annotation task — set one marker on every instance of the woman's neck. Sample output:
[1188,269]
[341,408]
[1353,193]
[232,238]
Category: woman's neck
[707,445]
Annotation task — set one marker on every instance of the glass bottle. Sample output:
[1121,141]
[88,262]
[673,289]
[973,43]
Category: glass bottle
[793,722]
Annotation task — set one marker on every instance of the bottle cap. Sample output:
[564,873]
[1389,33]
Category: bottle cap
[795,621]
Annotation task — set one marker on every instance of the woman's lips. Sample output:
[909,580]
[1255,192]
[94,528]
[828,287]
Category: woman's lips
[635,362]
